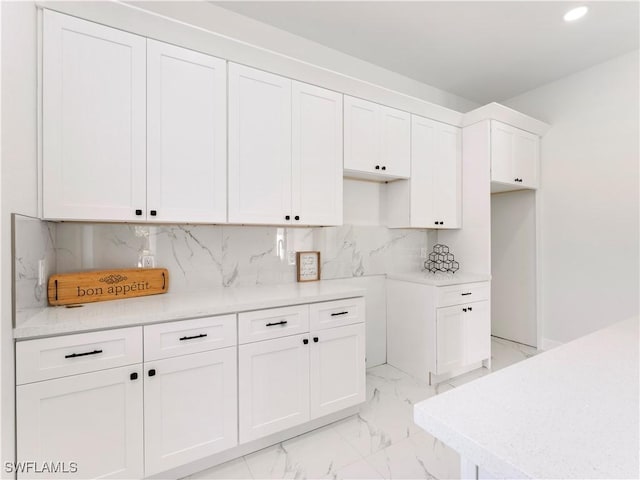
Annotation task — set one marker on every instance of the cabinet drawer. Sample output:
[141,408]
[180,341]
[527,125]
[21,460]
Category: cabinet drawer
[189,336]
[55,357]
[337,313]
[272,323]
[466,293]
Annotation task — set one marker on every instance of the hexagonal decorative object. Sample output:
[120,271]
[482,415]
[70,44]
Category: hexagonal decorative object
[441,260]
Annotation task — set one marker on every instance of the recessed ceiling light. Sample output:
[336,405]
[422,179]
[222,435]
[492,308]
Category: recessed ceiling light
[575,13]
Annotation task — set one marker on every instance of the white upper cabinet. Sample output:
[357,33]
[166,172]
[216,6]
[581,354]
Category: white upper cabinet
[259,146]
[94,88]
[377,141]
[395,138]
[285,150]
[133,129]
[432,197]
[317,156]
[514,157]
[186,135]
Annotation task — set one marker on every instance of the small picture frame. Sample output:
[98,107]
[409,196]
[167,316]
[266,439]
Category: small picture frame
[308,266]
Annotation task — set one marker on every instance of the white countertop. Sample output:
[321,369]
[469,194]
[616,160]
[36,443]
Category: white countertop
[175,306]
[440,279]
[571,412]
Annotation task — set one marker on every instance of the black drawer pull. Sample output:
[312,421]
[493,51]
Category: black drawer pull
[281,322]
[339,313]
[315,339]
[152,372]
[202,335]
[470,309]
[133,376]
[466,293]
[74,355]
[305,341]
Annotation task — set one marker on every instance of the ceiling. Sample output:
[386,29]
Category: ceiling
[482,51]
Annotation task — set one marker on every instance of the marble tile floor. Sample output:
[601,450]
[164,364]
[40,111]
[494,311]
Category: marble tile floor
[381,442]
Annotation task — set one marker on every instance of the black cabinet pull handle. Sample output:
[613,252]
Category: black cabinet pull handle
[152,372]
[436,222]
[297,217]
[134,376]
[441,223]
[315,339]
[138,212]
[202,335]
[464,309]
[338,314]
[153,213]
[384,167]
[305,340]
[470,309]
[287,217]
[74,355]
[281,322]
[164,281]
[377,167]
[465,294]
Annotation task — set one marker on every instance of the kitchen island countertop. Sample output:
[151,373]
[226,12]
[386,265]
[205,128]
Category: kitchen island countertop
[571,412]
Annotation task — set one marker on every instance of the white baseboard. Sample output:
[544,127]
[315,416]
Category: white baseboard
[548,344]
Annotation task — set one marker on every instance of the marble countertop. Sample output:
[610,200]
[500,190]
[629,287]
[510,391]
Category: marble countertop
[571,412]
[440,279]
[174,306]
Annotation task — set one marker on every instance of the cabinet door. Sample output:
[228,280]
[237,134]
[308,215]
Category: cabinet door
[337,369]
[395,135]
[190,408]
[317,155]
[93,419]
[273,386]
[186,135]
[423,173]
[450,338]
[259,146]
[361,135]
[93,121]
[448,185]
[477,332]
[514,155]
[525,158]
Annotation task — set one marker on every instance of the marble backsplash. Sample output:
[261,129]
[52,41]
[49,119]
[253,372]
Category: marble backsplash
[207,256]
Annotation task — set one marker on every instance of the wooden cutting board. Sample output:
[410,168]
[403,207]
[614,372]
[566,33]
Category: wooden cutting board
[103,285]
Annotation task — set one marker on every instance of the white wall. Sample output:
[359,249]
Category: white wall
[513,266]
[18,177]
[589,206]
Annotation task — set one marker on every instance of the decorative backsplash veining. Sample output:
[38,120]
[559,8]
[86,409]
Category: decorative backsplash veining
[200,257]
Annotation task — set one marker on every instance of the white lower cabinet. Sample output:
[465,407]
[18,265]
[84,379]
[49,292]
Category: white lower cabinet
[93,419]
[190,408]
[286,381]
[437,329]
[93,402]
[274,386]
[337,369]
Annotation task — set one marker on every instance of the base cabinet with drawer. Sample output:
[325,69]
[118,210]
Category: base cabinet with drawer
[190,391]
[437,330]
[136,402]
[79,399]
[296,376]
